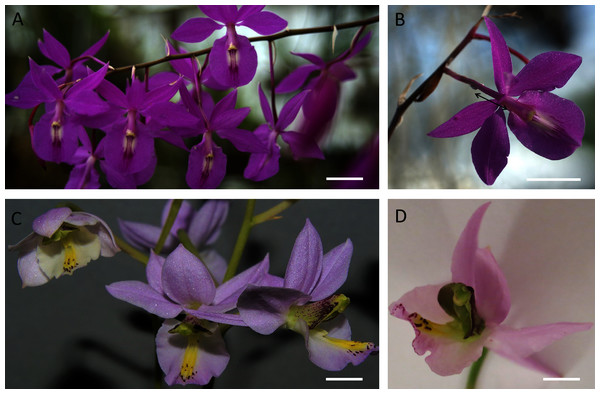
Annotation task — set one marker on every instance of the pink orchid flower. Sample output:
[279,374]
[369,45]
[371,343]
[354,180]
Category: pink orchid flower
[455,321]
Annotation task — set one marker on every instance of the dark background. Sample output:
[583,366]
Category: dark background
[70,333]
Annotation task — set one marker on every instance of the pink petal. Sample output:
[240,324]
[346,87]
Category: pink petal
[519,344]
[195,30]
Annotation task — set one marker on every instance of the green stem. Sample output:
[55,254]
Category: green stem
[175,205]
[475,369]
[238,249]
[270,214]
[130,250]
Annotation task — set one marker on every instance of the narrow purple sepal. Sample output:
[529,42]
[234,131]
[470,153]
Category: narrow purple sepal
[491,147]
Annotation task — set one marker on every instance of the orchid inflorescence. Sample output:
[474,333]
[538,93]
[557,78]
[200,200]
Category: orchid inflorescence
[199,295]
[175,106]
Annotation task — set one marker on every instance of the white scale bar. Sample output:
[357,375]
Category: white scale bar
[561,379]
[344,178]
[553,179]
[343,379]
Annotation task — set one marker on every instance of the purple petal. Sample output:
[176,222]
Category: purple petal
[139,152]
[221,13]
[306,261]
[546,71]
[264,165]
[500,57]
[49,222]
[172,115]
[112,94]
[185,67]
[228,119]
[465,121]
[210,359]
[26,95]
[140,235]
[54,50]
[205,225]
[314,59]
[329,346]
[215,263]
[553,128]
[90,82]
[91,51]
[491,147]
[144,296]
[158,95]
[295,79]
[154,271]
[207,165]
[335,271]
[86,103]
[186,280]
[195,30]
[264,309]
[342,72]
[302,145]
[57,144]
[265,106]
[236,67]
[206,312]
[290,110]
[247,10]
[182,220]
[518,344]
[264,23]
[228,293]
[83,177]
[243,140]
[44,82]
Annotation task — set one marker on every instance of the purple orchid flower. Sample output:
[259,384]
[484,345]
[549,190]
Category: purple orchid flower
[203,227]
[56,134]
[455,321]
[191,351]
[61,242]
[84,174]
[129,141]
[232,59]
[207,162]
[28,95]
[546,124]
[303,301]
[320,104]
[264,165]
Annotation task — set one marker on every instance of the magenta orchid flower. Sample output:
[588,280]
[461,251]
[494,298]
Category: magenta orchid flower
[27,95]
[232,59]
[264,165]
[303,301]
[202,227]
[546,124]
[320,104]
[56,134]
[61,242]
[455,321]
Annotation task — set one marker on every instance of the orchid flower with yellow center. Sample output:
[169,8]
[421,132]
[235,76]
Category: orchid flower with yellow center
[62,241]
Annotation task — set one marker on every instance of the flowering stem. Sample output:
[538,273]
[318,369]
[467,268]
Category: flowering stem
[475,369]
[130,250]
[270,214]
[473,83]
[272,64]
[513,51]
[175,205]
[272,37]
[240,244]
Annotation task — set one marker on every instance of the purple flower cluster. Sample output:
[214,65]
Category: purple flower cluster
[175,106]
[190,292]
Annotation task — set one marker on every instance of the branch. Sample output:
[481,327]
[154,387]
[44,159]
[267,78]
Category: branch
[272,37]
